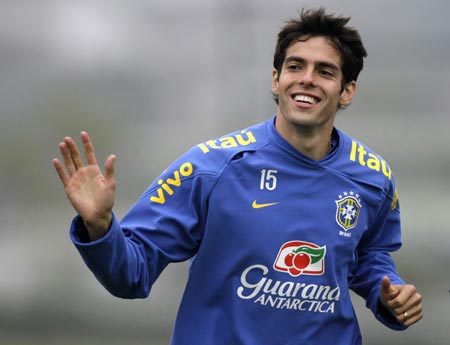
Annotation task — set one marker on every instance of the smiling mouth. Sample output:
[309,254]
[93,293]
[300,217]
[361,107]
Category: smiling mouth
[306,99]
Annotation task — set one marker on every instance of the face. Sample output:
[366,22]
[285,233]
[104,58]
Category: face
[309,87]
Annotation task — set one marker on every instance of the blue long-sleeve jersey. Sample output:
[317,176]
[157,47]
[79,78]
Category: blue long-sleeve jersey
[276,240]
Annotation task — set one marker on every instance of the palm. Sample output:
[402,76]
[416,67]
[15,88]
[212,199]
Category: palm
[90,192]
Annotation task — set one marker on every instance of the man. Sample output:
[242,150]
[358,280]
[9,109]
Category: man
[279,220]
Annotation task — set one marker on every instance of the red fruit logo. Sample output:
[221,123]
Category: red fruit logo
[298,257]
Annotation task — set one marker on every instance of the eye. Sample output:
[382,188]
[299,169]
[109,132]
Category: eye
[326,73]
[294,67]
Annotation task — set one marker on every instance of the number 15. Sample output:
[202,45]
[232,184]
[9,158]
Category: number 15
[268,179]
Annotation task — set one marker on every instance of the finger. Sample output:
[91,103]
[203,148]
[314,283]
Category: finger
[411,316]
[109,167]
[407,299]
[412,320]
[414,310]
[65,153]
[61,172]
[88,149]
[74,152]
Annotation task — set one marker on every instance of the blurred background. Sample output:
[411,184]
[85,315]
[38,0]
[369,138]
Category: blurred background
[150,78]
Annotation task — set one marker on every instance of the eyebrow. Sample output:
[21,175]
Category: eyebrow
[301,60]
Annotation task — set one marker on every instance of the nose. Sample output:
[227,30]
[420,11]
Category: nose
[307,77]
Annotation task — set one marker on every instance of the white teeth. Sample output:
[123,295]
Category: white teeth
[304,98]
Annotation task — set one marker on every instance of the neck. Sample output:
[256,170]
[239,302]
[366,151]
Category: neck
[312,143]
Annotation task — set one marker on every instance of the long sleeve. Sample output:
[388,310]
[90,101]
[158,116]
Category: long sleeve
[165,225]
[374,260]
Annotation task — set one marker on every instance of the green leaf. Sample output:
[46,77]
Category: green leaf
[316,254]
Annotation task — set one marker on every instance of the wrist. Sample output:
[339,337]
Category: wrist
[99,227]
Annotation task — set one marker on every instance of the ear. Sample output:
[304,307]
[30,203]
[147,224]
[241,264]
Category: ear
[275,82]
[346,97]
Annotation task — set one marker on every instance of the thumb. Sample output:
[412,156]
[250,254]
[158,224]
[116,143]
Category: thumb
[385,284]
[387,289]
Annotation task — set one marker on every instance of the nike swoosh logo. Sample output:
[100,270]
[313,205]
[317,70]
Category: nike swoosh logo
[256,205]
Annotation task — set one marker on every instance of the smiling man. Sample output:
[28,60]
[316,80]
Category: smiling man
[309,93]
[280,220]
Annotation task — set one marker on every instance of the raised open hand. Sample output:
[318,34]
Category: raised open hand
[89,191]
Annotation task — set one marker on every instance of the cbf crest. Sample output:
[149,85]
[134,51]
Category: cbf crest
[348,207]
